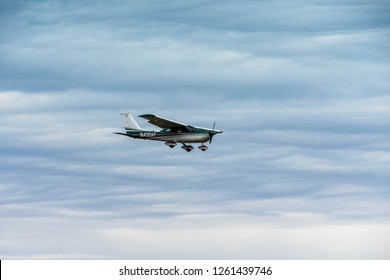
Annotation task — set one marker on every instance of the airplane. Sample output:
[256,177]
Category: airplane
[172,132]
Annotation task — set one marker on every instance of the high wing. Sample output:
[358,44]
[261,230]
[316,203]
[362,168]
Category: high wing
[164,123]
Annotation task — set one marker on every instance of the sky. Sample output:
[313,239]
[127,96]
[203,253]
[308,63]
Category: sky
[300,88]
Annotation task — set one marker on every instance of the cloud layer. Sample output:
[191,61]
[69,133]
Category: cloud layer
[301,170]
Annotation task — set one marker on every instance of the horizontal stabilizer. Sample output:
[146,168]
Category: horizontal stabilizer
[119,133]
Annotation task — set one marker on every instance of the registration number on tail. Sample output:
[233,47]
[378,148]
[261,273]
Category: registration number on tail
[147,134]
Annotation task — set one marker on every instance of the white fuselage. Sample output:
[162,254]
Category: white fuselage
[182,137]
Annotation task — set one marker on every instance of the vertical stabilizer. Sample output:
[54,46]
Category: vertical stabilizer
[130,123]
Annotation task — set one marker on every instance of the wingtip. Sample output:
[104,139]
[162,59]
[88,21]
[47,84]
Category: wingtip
[145,116]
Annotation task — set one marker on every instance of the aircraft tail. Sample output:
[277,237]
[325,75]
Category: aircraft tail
[130,123]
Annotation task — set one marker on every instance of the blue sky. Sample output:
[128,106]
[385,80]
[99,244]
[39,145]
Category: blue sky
[300,88]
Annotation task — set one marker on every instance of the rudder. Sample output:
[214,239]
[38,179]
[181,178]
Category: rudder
[130,123]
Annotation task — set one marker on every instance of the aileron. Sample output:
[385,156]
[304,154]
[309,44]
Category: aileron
[162,122]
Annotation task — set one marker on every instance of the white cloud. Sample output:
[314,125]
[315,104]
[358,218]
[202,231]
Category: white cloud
[129,240]
[302,99]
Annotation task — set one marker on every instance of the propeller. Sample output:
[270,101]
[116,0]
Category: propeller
[212,133]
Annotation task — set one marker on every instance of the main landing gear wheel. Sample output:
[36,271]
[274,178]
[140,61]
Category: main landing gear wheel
[187,148]
[171,144]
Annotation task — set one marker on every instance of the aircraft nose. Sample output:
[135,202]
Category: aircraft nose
[213,132]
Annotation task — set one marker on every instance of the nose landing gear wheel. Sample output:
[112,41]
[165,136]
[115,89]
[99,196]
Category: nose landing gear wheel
[203,148]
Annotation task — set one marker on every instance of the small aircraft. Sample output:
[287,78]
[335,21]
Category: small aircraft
[172,132]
